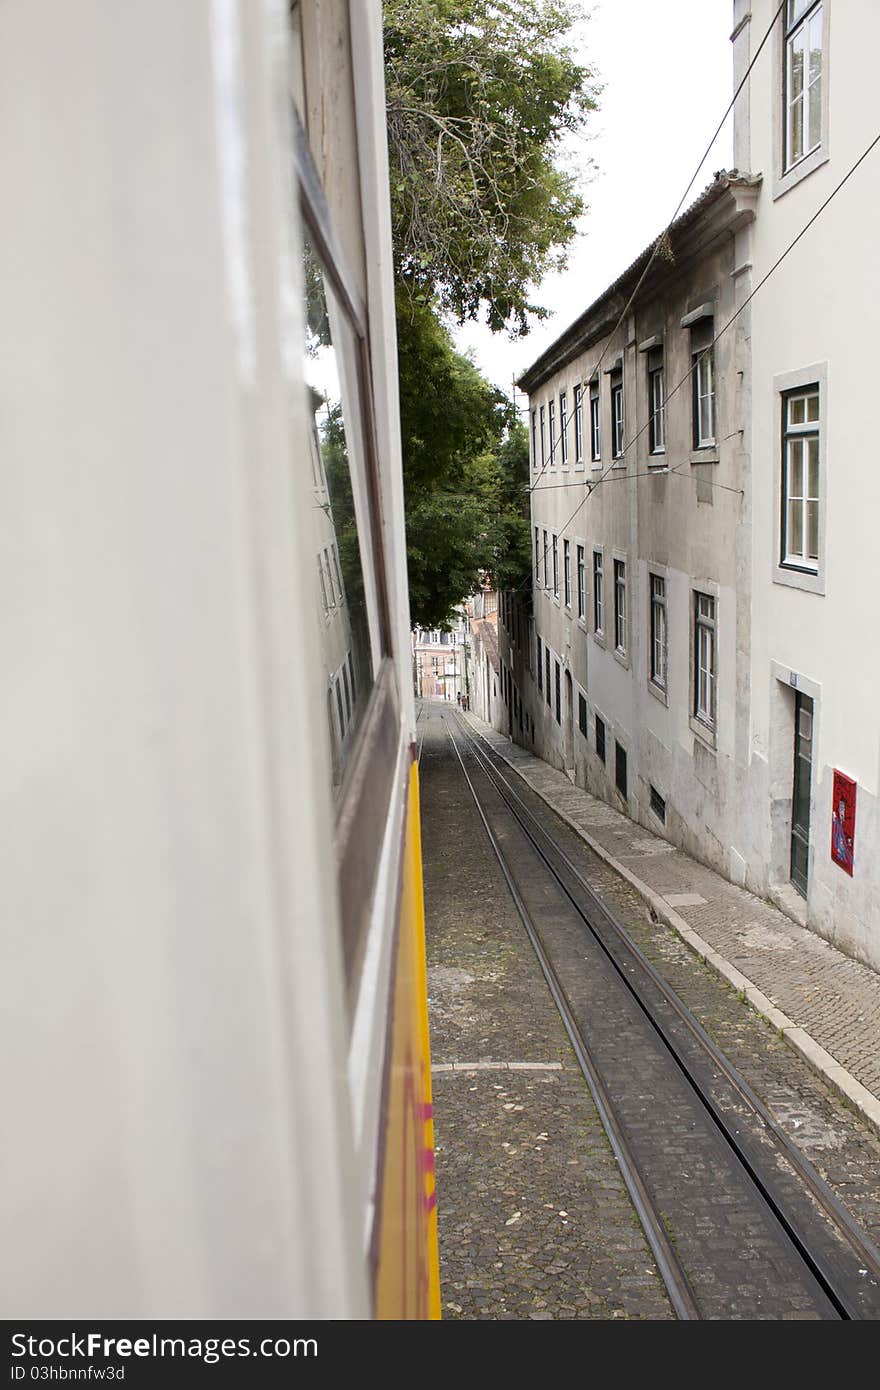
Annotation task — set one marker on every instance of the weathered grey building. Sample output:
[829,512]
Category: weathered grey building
[636,676]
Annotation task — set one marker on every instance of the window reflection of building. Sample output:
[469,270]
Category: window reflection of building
[348,667]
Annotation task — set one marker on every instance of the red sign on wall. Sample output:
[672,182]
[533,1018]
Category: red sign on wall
[843,821]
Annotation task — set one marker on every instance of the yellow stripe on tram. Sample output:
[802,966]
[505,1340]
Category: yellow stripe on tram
[408,1275]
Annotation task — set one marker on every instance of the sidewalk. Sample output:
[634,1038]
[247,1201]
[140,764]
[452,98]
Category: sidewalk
[827,1005]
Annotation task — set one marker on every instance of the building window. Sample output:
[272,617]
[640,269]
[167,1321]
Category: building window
[802,80]
[578,424]
[537,555]
[582,715]
[595,423]
[551,426]
[597,592]
[600,738]
[620,606]
[703,355]
[704,659]
[658,631]
[558,694]
[543,440]
[555,566]
[581,582]
[800,479]
[540,666]
[620,768]
[546,561]
[547,672]
[658,805]
[337,572]
[617,440]
[324,600]
[563,427]
[656,402]
[566,571]
[337,687]
[534,439]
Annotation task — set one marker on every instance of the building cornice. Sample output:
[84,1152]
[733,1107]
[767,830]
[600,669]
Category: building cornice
[727,205]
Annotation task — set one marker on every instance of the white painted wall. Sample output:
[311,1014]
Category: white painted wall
[822,306]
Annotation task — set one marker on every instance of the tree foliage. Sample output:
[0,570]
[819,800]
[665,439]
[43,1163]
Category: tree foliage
[480,95]
[463,451]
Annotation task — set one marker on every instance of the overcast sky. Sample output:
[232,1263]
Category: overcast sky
[666,72]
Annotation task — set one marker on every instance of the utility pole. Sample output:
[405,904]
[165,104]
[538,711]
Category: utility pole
[464,649]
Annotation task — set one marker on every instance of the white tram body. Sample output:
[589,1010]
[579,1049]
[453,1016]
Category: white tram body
[217,1088]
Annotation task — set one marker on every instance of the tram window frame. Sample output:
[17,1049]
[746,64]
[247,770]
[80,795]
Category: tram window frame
[363,796]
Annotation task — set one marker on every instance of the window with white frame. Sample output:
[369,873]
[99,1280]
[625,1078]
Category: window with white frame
[563,428]
[800,479]
[546,561]
[703,378]
[581,582]
[555,566]
[656,402]
[620,606]
[704,658]
[543,438]
[566,572]
[337,572]
[325,556]
[537,555]
[802,79]
[551,427]
[617,440]
[658,631]
[324,600]
[595,423]
[578,424]
[597,593]
[534,438]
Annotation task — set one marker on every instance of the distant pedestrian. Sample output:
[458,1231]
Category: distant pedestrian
[458,698]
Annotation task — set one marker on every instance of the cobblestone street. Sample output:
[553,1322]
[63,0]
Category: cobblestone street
[534,1217]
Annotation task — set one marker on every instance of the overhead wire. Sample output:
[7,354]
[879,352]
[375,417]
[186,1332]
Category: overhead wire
[585,381]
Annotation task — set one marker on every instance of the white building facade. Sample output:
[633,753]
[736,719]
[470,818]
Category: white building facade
[815,653]
[704,653]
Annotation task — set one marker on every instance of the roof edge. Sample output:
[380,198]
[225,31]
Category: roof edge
[602,316]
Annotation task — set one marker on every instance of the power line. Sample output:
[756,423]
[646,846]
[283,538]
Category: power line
[592,484]
[660,239]
[660,470]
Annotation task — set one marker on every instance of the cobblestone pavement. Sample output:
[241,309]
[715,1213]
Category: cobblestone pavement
[534,1218]
[495,1165]
[833,1001]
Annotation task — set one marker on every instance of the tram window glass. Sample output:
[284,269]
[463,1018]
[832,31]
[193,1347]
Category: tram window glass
[341,524]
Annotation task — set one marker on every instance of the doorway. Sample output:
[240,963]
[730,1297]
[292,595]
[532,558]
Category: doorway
[800,795]
[569,726]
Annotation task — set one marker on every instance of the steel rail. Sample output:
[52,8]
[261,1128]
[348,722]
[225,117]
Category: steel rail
[833,1209]
[678,1286]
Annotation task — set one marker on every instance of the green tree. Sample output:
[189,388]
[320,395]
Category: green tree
[481,94]
[463,452]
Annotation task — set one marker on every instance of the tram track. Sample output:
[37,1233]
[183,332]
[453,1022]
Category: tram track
[775,1219]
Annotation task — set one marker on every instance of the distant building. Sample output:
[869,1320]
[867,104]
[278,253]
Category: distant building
[439,661]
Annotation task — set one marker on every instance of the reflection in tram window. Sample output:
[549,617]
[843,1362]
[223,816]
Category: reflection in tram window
[342,527]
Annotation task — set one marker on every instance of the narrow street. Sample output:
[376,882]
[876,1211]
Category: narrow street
[535,1219]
